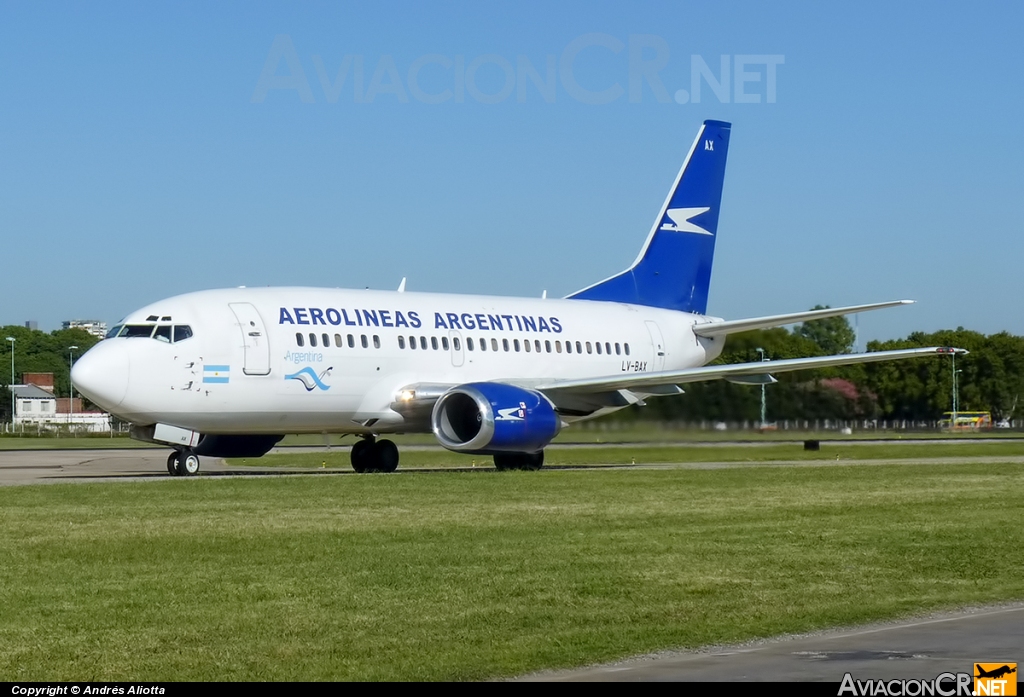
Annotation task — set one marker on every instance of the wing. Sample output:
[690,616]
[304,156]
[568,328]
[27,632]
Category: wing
[585,396]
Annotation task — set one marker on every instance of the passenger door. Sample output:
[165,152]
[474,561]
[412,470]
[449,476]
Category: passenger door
[254,339]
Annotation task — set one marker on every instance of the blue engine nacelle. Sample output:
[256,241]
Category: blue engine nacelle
[235,446]
[488,417]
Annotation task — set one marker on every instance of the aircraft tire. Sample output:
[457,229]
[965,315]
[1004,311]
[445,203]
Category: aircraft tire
[360,455]
[504,463]
[533,461]
[172,464]
[187,464]
[384,456]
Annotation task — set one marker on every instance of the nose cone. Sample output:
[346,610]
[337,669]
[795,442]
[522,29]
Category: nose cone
[102,374]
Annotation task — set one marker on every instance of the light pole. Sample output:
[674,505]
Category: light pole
[763,359]
[11,339]
[952,422]
[956,393]
[71,383]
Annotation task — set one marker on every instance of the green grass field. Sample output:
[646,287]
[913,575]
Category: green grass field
[470,575]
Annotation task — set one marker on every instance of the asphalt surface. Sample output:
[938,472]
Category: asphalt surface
[918,648]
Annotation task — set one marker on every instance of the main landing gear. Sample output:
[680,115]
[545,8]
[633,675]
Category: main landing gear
[182,463]
[519,461]
[370,455]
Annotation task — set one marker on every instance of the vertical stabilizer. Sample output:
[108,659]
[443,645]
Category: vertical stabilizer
[673,270]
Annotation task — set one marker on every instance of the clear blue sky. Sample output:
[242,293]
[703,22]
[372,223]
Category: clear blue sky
[145,151]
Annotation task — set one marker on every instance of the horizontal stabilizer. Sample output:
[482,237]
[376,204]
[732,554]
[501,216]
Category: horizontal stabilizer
[735,326]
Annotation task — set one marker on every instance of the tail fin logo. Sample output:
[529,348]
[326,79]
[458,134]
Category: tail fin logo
[709,145]
[681,220]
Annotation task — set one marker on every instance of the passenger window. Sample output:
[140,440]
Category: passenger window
[607,348]
[598,347]
[579,347]
[568,347]
[363,341]
[163,333]
[504,344]
[626,347]
[547,345]
[618,349]
[494,344]
[444,343]
[483,344]
[558,347]
[412,343]
[401,341]
[351,341]
[423,343]
[526,345]
[337,340]
[457,343]
[312,339]
[327,341]
[433,342]
[298,339]
[376,341]
[536,344]
[469,343]
[515,345]
[588,348]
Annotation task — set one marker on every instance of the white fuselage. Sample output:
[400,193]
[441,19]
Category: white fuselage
[309,360]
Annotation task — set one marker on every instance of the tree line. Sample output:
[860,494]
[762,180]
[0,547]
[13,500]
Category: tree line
[990,378]
[36,351]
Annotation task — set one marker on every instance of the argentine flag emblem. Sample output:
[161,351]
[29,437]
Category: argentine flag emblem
[216,373]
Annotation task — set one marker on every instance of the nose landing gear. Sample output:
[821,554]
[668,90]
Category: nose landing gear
[183,463]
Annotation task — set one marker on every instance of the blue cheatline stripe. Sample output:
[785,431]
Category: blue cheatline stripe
[221,380]
[218,368]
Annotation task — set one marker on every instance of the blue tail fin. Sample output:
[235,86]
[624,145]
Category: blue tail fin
[674,267]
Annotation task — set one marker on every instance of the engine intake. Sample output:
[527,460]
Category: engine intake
[489,417]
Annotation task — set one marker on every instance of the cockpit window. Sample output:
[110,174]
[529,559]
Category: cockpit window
[114,332]
[137,330]
[163,333]
[182,332]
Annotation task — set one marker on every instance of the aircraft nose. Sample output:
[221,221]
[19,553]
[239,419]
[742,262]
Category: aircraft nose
[102,373]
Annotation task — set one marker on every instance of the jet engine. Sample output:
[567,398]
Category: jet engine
[488,417]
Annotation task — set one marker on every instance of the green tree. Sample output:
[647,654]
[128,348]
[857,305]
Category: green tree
[832,335]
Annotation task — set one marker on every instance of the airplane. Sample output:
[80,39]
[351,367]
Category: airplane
[229,372]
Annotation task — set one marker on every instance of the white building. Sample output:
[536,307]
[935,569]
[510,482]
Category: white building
[93,326]
[36,408]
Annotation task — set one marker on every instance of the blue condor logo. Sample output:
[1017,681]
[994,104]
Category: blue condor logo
[398,318]
[310,380]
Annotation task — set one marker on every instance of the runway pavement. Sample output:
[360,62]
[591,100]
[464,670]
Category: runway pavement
[920,648]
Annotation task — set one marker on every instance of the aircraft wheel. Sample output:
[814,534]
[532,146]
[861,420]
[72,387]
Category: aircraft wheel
[172,464]
[384,456]
[360,455]
[187,464]
[533,461]
[504,463]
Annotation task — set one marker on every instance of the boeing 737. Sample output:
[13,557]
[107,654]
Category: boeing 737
[227,373]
